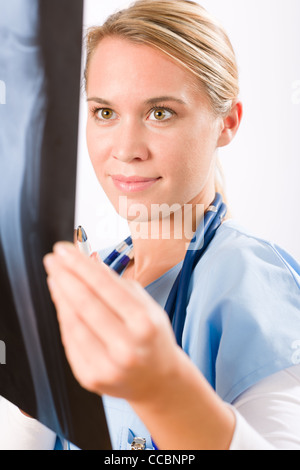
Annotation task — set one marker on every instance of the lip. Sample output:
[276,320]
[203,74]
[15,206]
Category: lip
[132,184]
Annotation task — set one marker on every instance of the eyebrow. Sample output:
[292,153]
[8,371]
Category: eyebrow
[151,101]
[99,100]
[164,98]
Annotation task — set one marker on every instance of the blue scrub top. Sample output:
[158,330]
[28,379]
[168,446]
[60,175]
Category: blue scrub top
[242,324]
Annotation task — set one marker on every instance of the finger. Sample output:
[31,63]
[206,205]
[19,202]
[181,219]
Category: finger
[72,297]
[126,298]
[92,365]
[96,257]
[70,324]
[84,351]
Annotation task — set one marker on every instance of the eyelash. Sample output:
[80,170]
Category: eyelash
[95,110]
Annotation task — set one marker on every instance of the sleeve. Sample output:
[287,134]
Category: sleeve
[243,320]
[19,432]
[268,414]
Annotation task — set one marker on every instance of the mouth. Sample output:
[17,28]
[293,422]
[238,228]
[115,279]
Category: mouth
[131,184]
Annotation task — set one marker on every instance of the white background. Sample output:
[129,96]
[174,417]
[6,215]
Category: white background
[262,164]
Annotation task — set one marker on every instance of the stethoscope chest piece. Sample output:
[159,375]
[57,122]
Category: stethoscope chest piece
[138,443]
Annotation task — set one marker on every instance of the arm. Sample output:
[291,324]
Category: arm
[267,418]
[113,322]
[107,320]
[184,412]
[20,432]
[268,414]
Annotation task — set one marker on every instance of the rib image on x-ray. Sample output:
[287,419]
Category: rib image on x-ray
[40,67]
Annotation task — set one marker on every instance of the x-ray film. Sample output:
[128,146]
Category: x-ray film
[40,66]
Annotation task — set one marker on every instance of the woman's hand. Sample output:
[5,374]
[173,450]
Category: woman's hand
[117,339]
[119,342]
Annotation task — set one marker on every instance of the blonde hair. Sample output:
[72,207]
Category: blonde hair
[187,33]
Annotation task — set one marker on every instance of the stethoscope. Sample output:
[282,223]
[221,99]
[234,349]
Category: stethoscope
[176,305]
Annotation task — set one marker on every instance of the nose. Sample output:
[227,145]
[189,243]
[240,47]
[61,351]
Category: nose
[129,142]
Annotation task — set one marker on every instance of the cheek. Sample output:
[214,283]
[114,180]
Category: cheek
[189,164]
[187,156]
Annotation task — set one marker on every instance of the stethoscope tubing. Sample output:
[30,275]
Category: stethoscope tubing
[176,305]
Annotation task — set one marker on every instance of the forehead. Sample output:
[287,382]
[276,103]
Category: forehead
[137,68]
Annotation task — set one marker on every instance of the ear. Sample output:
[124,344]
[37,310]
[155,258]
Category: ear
[231,123]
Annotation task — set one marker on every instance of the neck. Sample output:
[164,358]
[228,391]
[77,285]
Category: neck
[162,243]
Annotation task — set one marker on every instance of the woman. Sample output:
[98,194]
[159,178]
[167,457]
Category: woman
[162,91]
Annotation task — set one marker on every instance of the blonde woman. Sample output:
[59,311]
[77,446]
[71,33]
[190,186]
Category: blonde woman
[163,96]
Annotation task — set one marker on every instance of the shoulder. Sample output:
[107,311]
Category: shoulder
[247,278]
[244,310]
[244,257]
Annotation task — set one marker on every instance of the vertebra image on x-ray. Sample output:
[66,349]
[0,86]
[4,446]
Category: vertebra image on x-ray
[40,66]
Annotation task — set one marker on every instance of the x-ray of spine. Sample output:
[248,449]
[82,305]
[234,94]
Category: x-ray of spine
[40,63]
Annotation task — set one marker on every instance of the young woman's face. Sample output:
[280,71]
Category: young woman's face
[148,120]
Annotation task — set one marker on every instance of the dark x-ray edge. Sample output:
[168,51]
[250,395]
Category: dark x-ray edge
[37,376]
